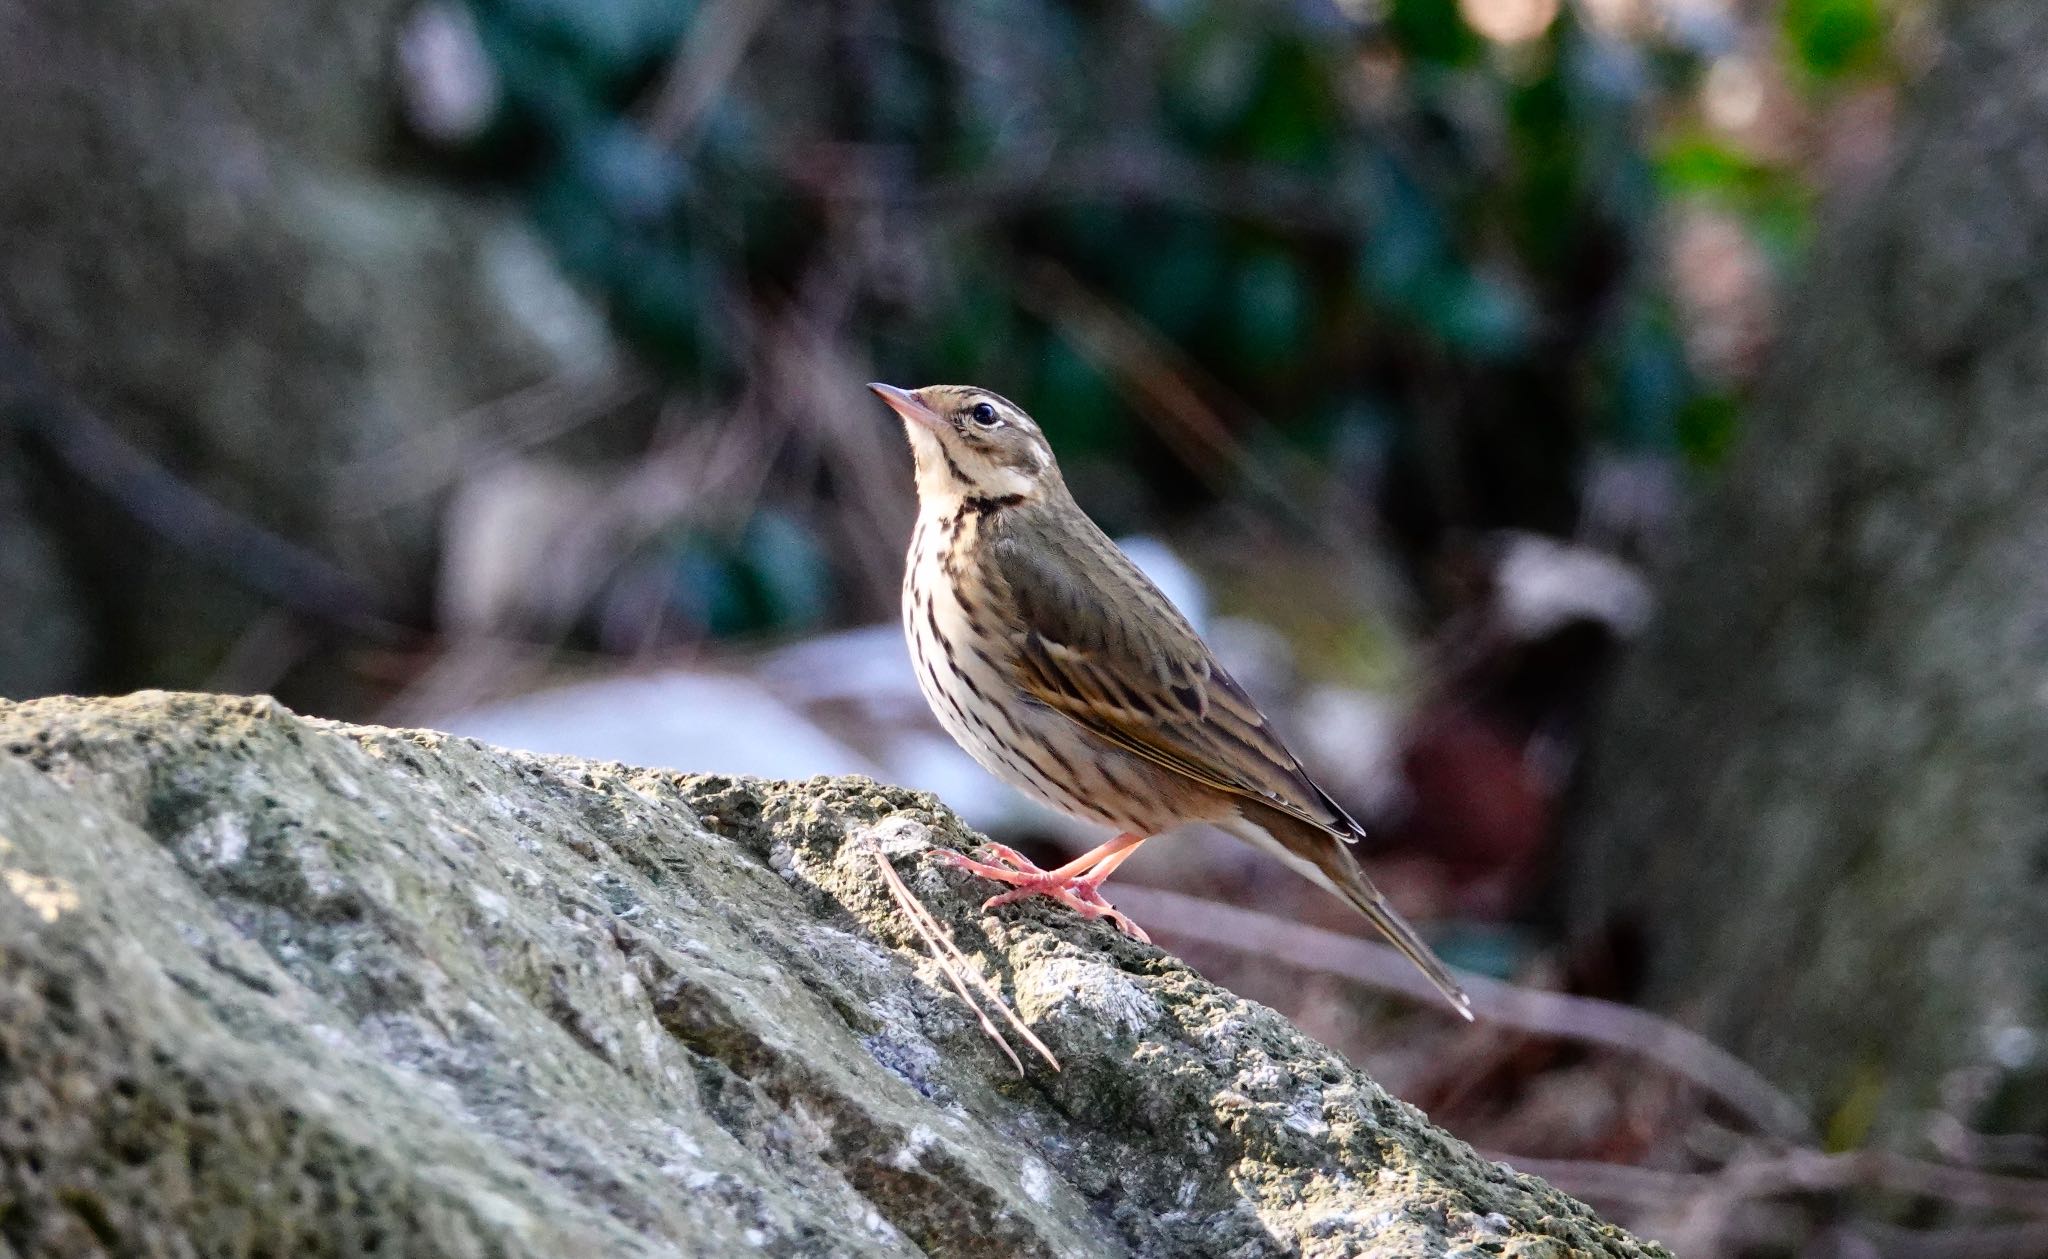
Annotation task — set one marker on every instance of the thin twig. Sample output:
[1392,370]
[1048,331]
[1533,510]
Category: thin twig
[955,964]
[437,456]
[1585,1019]
[1793,1172]
[1610,1185]
[1159,375]
[710,54]
[1703,1207]
[1120,173]
[2010,1241]
[913,910]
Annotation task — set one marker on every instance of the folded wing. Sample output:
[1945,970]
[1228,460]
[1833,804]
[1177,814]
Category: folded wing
[1098,643]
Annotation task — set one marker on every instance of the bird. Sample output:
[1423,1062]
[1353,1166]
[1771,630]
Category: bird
[1054,662]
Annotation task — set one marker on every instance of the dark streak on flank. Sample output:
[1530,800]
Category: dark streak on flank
[1044,785]
[1108,773]
[1060,759]
[932,671]
[1029,760]
[968,682]
[981,654]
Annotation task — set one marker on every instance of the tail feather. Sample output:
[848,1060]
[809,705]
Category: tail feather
[1318,854]
[1367,900]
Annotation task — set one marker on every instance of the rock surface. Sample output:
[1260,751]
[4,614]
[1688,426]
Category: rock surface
[278,986]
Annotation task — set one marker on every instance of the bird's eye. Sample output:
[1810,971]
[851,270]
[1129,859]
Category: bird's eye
[984,414]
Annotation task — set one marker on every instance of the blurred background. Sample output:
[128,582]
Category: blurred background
[1605,434]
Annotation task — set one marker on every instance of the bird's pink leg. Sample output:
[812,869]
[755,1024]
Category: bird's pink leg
[1076,884]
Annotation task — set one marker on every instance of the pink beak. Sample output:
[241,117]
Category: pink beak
[908,405]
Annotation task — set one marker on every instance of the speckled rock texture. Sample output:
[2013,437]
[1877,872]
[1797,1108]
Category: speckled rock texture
[275,986]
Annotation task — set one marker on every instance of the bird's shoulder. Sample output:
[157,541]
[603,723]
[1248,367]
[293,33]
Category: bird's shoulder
[1068,581]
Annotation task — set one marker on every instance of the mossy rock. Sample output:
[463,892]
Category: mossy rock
[276,986]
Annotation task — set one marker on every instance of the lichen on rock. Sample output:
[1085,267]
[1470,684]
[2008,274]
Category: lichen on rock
[274,985]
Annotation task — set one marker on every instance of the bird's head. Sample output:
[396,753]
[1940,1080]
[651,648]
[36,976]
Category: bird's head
[972,444]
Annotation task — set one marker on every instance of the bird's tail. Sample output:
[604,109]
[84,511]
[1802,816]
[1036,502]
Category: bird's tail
[1367,900]
[1318,854]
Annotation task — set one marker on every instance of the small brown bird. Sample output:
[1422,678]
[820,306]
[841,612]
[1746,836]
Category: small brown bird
[1057,665]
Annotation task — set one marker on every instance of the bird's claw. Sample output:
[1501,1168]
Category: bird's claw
[1080,893]
[1010,873]
[1078,896]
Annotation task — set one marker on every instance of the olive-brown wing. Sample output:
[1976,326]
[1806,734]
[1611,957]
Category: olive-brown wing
[1097,642]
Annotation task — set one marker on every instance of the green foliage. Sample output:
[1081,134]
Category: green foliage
[1706,429]
[1432,30]
[1697,167]
[1848,1124]
[1476,233]
[1835,39]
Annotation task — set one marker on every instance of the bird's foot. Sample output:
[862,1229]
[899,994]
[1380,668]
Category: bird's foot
[1079,892]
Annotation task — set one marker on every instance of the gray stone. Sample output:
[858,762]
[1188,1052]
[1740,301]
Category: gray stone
[271,985]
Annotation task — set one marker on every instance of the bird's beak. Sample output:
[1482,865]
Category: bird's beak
[908,405]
